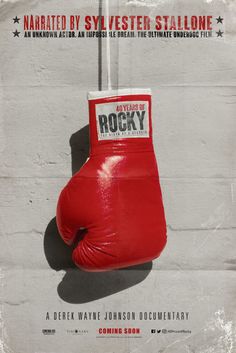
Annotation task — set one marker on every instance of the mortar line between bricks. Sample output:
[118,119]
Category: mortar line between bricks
[173,229]
[233,178]
[216,229]
[58,273]
[163,86]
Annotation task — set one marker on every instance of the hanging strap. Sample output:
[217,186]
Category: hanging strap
[108,48]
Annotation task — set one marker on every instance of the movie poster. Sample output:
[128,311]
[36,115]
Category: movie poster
[181,53]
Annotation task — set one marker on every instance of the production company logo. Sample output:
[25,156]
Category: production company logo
[77,331]
[48,332]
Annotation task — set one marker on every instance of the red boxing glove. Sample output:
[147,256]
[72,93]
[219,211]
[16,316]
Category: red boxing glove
[116,195]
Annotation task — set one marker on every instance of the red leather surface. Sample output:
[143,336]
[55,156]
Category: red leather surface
[116,197]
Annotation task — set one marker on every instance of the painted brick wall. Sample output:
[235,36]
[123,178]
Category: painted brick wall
[44,138]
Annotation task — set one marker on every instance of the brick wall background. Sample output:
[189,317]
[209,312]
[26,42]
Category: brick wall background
[44,138]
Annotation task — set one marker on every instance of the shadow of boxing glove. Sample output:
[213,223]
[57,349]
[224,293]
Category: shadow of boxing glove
[116,195]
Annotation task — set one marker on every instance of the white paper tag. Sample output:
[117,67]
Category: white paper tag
[122,120]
